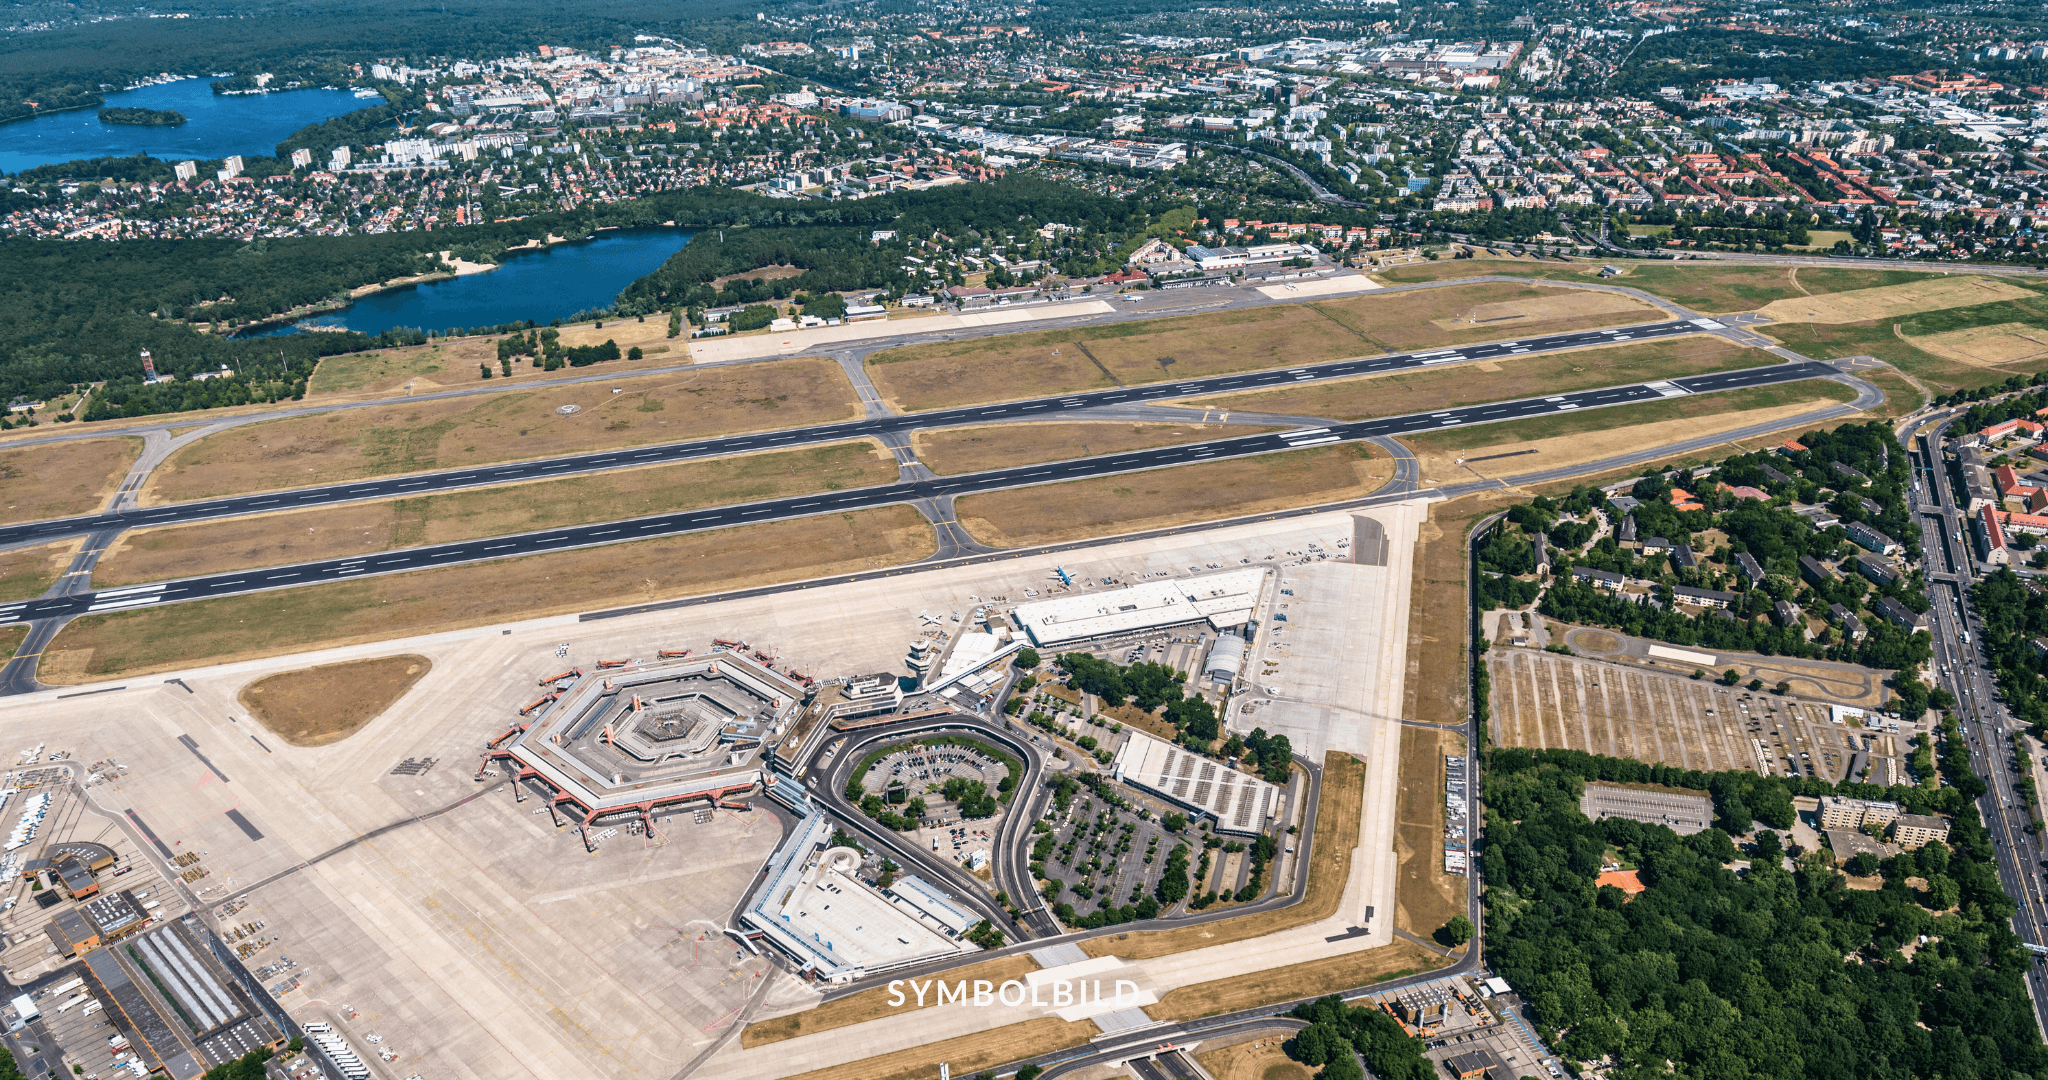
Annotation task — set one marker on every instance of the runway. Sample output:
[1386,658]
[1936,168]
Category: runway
[667,453]
[797,506]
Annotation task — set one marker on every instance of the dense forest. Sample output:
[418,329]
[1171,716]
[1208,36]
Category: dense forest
[844,257]
[2015,615]
[1765,972]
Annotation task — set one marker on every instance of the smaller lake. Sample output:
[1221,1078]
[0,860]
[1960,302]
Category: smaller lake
[216,125]
[542,285]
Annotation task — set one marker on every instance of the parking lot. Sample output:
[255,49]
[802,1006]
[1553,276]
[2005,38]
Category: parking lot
[1113,850]
[1548,700]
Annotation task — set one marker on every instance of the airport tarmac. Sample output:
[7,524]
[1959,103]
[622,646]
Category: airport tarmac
[479,940]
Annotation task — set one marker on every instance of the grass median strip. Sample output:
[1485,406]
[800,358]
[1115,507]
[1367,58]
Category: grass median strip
[1704,287]
[1313,979]
[362,528]
[998,446]
[1504,379]
[63,479]
[1159,498]
[1012,366]
[376,609]
[408,437]
[1329,870]
[874,1004]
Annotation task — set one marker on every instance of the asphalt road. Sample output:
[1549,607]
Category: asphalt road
[636,457]
[1949,557]
[796,506]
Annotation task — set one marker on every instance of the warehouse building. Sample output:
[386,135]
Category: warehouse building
[1240,803]
[1226,601]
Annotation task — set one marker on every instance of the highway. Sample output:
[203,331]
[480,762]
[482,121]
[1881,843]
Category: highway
[796,506]
[1963,668]
[416,484]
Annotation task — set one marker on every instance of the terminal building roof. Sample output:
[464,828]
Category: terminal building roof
[1226,599]
[1239,802]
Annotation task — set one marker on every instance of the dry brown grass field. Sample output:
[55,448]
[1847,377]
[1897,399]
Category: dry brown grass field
[400,605]
[1259,1057]
[938,375]
[1454,385]
[361,528]
[1427,895]
[996,1046]
[1892,301]
[63,479]
[384,440]
[320,705]
[1549,442]
[874,1004]
[1432,318]
[27,572]
[1159,498]
[1312,979]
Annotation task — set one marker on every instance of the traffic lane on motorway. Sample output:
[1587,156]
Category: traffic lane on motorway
[502,547]
[639,457]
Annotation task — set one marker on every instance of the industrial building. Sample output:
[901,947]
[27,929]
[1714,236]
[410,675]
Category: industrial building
[1240,803]
[635,738]
[1225,600]
[176,1003]
[837,928]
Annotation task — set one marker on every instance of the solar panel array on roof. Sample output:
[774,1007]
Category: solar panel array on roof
[1239,802]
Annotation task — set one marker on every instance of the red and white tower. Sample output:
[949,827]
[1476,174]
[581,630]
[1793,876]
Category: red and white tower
[148,366]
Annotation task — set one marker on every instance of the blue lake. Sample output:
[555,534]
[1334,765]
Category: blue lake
[542,285]
[216,125]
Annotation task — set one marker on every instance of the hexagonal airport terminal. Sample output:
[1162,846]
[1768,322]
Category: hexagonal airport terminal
[632,738]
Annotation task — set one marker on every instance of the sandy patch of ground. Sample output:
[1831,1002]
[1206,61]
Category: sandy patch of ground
[1157,498]
[1428,895]
[321,705]
[1892,301]
[1012,1042]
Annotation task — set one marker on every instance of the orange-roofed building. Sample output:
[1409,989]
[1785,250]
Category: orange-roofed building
[1682,499]
[1625,880]
[1794,446]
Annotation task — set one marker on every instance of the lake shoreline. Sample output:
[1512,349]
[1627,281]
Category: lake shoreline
[287,322]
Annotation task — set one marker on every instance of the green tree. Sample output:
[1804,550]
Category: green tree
[1458,931]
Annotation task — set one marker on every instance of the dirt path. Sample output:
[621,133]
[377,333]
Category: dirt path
[1793,277]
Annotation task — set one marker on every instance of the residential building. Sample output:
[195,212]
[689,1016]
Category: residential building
[1599,579]
[1870,538]
[1841,812]
[1899,614]
[1706,598]
[1915,831]
[1751,570]
[1876,569]
[1811,569]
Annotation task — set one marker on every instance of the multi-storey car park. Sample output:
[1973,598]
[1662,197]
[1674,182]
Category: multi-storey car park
[637,737]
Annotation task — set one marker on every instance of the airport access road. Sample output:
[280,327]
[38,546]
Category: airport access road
[416,484]
[797,506]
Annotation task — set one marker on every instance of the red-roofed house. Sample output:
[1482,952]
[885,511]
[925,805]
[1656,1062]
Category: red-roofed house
[1682,499]
[1991,537]
[1792,446]
[2028,428]
[1744,491]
